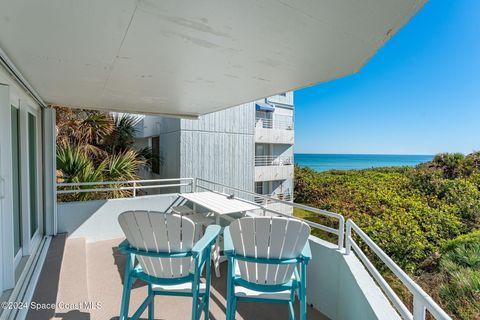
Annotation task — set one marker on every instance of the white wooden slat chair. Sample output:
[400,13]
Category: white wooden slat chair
[169,260]
[263,254]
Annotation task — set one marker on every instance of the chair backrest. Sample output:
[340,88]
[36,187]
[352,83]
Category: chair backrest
[160,232]
[270,238]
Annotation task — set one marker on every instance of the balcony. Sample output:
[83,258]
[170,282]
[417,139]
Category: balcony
[83,263]
[274,131]
[285,99]
[277,206]
[270,198]
[265,123]
[261,161]
[270,168]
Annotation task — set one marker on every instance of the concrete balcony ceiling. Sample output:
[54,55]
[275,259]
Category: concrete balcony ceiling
[189,58]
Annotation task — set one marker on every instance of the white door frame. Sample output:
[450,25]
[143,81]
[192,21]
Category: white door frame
[7,267]
[30,242]
[18,256]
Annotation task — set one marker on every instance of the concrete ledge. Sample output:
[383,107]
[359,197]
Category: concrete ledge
[343,289]
[97,220]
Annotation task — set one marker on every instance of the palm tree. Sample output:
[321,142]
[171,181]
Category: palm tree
[94,147]
[122,136]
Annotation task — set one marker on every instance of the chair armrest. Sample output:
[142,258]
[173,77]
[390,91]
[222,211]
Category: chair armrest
[211,234]
[228,248]
[124,246]
[306,252]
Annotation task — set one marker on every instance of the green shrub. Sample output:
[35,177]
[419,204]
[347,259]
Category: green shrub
[468,239]
[460,269]
[426,218]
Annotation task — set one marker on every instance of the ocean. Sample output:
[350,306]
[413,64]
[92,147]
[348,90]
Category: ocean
[325,162]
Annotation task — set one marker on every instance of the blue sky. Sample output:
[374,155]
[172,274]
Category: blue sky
[420,94]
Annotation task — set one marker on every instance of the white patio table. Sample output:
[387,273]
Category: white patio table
[219,204]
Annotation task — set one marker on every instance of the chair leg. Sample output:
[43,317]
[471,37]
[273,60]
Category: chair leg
[291,305]
[208,279]
[234,308]
[127,285]
[291,311]
[303,292]
[195,304]
[151,306]
[195,294]
[230,292]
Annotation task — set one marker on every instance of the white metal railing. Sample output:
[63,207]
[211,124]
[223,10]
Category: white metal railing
[267,123]
[421,300]
[286,196]
[273,161]
[252,197]
[129,185]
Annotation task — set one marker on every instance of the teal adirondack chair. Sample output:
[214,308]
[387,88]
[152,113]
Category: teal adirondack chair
[263,254]
[161,251]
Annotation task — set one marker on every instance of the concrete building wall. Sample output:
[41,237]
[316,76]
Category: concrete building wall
[170,154]
[220,147]
[285,98]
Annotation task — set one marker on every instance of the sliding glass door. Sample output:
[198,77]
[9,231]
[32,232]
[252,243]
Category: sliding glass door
[32,173]
[16,186]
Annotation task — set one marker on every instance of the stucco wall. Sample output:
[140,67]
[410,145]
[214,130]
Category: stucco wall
[97,220]
[341,288]
[220,147]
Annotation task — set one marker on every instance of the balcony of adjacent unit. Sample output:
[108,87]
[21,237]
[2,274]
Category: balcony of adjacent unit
[269,168]
[273,162]
[272,128]
[274,194]
[285,99]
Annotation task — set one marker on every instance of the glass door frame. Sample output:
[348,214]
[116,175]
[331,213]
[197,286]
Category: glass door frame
[31,240]
[18,255]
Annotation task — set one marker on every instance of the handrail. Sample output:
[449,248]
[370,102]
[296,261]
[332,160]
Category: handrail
[271,160]
[341,221]
[287,196]
[421,300]
[274,123]
[134,185]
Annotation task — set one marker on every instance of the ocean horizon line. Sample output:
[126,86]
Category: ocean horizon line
[370,154]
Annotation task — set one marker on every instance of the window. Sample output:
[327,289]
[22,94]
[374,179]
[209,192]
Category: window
[259,187]
[156,155]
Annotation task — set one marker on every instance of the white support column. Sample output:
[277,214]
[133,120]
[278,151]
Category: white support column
[49,171]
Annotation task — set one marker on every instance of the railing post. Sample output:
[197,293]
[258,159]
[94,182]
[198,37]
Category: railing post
[134,189]
[194,185]
[418,308]
[348,244]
